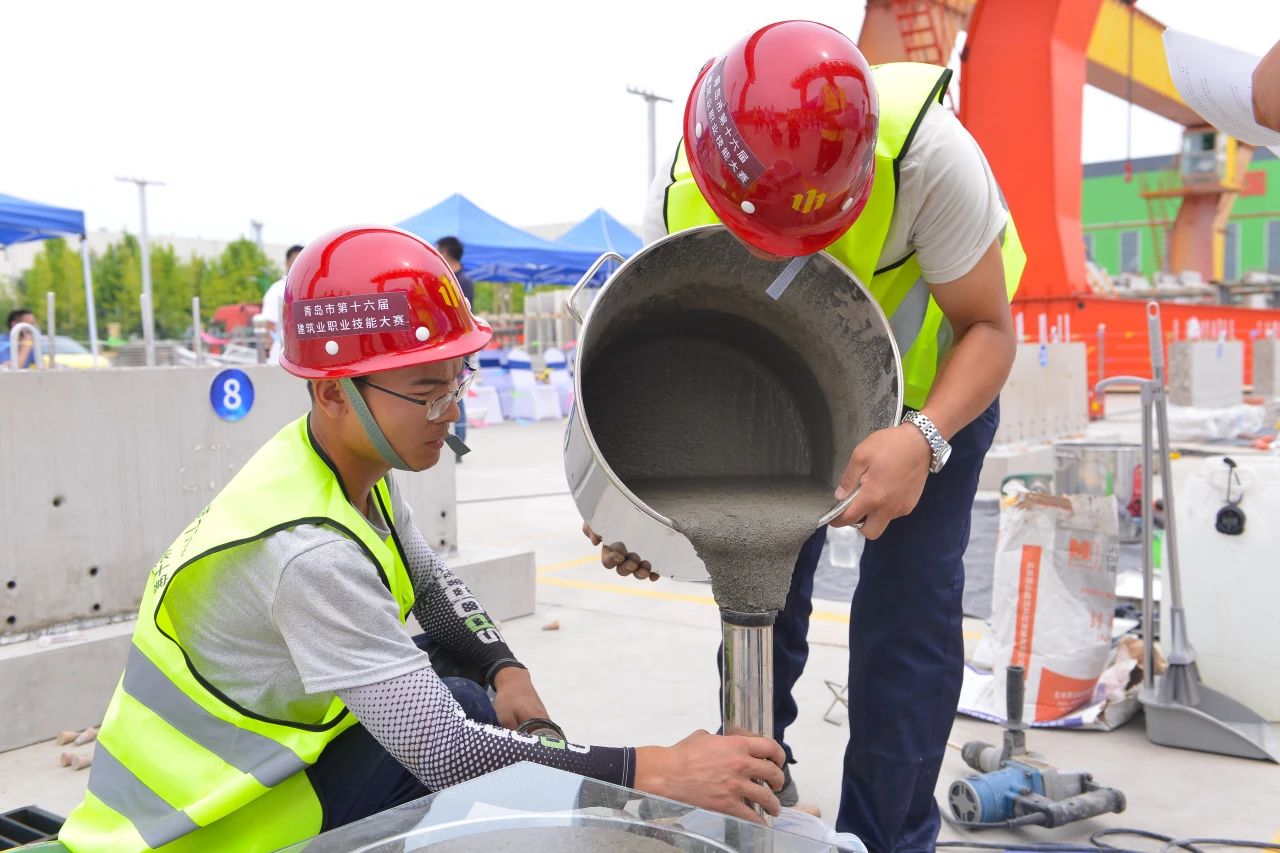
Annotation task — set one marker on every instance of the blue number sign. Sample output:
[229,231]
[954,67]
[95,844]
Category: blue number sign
[231,394]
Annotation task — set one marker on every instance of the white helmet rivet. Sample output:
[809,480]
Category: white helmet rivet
[697,130]
[331,347]
[748,207]
[848,203]
[422,333]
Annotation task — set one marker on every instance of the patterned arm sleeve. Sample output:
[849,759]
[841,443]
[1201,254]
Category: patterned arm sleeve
[417,721]
[449,613]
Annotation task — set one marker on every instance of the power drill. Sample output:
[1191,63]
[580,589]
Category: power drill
[1014,787]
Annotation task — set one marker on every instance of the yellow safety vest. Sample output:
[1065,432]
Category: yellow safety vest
[179,765]
[907,90]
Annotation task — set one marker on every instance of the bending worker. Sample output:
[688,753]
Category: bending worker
[272,690]
[797,146]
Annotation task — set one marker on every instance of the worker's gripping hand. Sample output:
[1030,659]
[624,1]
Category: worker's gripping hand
[716,772]
[516,699]
[617,557]
[888,471]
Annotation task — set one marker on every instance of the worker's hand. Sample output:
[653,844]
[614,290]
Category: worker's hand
[1266,90]
[617,557]
[887,470]
[517,700]
[715,772]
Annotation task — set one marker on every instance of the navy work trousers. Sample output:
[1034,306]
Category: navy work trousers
[356,777]
[906,654]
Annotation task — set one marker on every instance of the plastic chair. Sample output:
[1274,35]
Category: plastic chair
[529,399]
[558,369]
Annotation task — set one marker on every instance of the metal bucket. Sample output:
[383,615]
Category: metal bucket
[1103,468]
[690,313]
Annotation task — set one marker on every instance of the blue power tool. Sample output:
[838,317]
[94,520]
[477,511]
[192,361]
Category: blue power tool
[1014,787]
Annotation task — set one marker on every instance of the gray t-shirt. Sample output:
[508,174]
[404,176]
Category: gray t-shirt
[308,615]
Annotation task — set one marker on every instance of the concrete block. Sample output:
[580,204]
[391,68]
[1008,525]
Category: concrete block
[1047,394]
[103,469]
[52,684]
[503,580]
[59,682]
[1266,368]
[1206,374]
[1003,461]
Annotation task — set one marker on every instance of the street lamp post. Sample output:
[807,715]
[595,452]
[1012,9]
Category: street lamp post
[144,245]
[652,100]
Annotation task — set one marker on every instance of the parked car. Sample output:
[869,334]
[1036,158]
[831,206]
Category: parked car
[69,352]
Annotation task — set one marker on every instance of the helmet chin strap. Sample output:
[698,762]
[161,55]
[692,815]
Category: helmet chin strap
[371,428]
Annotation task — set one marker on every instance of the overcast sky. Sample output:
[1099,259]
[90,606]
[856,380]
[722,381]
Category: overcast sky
[310,115]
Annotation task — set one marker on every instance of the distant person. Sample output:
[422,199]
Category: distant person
[26,350]
[451,248]
[273,306]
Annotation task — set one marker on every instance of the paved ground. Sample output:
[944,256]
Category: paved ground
[633,663]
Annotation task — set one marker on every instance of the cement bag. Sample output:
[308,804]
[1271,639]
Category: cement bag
[1053,600]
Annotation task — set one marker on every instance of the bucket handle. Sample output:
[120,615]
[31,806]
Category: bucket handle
[582,282]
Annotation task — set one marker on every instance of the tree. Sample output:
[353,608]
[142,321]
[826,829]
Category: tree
[237,276]
[57,268]
[171,291]
[117,283]
[240,274]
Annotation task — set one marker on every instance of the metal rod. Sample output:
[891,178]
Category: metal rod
[1102,350]
[15,336]
[90,307]
[197,344]
[1148,559]
[50,302]
[1171,578]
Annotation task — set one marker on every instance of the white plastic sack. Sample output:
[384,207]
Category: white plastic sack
[1189,423]
[1053,601]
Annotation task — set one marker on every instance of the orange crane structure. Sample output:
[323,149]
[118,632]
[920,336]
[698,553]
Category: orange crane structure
[1023,68]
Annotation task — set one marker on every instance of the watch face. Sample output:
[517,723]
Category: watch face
[942,458]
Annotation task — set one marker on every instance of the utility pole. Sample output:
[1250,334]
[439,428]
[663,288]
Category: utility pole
[257,231]
[652,100]
[148,310]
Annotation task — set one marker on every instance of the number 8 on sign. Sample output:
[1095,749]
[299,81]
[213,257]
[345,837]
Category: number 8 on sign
[231,394]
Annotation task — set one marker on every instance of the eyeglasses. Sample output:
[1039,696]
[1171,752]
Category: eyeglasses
[437,406]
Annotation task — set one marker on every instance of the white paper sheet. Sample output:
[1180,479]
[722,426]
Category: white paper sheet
[1217,82]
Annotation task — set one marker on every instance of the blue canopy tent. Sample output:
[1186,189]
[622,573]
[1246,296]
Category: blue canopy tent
[602,233]
[496,251]
[22,221]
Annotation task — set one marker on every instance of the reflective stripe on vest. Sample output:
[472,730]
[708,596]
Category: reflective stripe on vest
[906,91]
[182,764]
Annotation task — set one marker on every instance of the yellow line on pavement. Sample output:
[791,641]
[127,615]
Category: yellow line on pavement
[684,597]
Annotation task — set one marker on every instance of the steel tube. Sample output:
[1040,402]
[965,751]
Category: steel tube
[746,690]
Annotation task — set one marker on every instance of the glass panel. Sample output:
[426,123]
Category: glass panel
[1130,252]
[531,807]
[1231,253]
[1273,247]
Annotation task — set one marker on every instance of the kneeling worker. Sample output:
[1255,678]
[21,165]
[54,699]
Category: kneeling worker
[272,691]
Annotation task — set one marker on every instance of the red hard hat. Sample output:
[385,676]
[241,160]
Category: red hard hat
[371,298]
[780,132]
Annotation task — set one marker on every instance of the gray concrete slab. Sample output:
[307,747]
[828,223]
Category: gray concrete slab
[632,662]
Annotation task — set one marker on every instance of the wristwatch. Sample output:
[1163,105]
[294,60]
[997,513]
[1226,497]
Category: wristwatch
[937,444]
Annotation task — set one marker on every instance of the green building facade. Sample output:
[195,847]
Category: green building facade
[1117,220]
